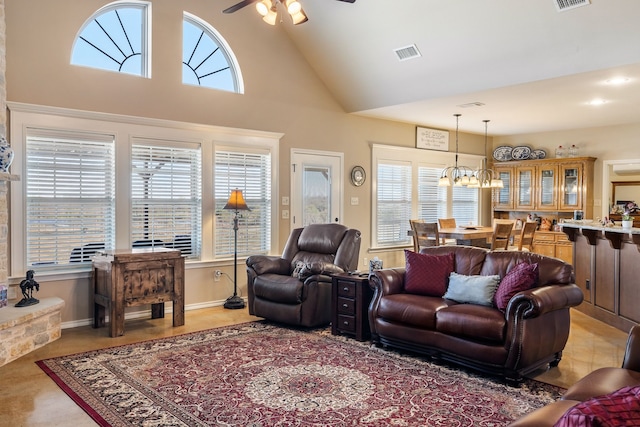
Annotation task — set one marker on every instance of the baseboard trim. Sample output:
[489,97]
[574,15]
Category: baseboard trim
[143,314]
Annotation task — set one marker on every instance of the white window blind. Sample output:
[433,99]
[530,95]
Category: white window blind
[432,200]
[250,172]
[166,196]
[393,203]
[465,205]
[70,189]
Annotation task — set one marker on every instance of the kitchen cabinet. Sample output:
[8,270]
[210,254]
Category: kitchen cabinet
[547,185]
[553,243]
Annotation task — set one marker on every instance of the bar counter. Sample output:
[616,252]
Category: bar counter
[607,269]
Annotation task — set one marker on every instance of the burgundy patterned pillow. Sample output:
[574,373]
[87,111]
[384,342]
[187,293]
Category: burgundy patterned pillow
[427,274]
[620,408]
[520,278]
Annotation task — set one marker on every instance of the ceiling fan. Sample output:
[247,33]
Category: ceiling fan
[269,9]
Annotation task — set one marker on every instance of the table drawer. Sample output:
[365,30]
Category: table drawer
[346,289]
[346,305]
[346,323]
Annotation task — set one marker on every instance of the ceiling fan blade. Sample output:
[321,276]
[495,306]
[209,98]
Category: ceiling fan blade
[239,6]
[348,1]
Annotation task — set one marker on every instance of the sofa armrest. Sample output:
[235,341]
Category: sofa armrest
[263,264]
[387,281]
[545,299]
[632,352]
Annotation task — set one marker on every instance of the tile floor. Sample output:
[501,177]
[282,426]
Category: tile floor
[28,398]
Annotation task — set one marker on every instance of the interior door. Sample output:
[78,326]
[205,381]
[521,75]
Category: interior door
[316,187]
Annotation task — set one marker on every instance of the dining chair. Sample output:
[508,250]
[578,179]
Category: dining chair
[425,234]
[525,242]
[501,234]
[447,223]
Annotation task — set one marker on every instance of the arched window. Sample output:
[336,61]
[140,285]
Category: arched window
[207,60]
[116,38]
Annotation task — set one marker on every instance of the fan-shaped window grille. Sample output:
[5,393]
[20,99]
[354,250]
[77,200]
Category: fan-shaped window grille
[207,60]
[115,38]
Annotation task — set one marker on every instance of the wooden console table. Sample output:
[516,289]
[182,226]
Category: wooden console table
[126,278]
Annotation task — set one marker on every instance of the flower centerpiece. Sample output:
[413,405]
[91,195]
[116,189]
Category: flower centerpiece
[627,219]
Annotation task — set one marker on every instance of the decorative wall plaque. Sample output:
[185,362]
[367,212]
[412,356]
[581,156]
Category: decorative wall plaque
[432,139]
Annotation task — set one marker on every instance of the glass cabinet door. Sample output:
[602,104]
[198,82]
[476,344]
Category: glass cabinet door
[570,187]
[524,187]
[503,197]
[547,187]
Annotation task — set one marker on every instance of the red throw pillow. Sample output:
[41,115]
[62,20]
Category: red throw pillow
[427,274]
[620,408]
[520,278]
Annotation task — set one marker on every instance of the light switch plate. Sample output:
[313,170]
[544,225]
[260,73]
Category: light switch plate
[285,214]
[355,201]
[285,200]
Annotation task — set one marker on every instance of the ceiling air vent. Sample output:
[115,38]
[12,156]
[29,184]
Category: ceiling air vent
[407,52]
[563,5]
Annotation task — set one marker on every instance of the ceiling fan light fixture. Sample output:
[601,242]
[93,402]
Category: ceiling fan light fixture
[263,7]
[299,18]
[293,7]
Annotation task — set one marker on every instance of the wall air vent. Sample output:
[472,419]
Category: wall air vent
[407,52]
[471,104]
[627,169]
[563,5]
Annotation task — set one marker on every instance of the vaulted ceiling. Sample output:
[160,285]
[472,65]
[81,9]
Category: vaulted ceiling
[534,68]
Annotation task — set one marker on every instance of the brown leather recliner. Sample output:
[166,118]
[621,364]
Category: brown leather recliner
[295,288]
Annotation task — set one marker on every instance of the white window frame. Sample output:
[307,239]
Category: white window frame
[225,49]
[145,41]
[125,129]
[416,158]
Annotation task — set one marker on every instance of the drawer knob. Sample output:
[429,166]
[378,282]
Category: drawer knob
[346,323]
[345,289]
[345,305]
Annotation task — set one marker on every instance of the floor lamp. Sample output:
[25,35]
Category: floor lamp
[235,203]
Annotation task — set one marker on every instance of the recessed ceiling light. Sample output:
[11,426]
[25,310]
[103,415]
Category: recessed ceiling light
[617,81]
[597,102]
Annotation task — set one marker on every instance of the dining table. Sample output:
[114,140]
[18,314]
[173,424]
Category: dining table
[469,235]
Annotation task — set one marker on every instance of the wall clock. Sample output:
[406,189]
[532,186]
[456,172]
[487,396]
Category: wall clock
[358,176]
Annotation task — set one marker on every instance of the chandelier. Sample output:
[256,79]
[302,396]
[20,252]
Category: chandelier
[464,176]
[486,177]
[458,174]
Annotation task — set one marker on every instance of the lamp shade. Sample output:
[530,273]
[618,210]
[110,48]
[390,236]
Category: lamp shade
[236,201]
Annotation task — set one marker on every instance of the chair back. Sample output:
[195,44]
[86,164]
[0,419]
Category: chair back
[447,222]
[526,235]
[330,243]
[501,234]
[425,234]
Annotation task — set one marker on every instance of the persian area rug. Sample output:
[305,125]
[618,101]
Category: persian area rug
[260,375]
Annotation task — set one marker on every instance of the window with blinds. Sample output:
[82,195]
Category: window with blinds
[464,205]
[70,197]
[393,203]
[249,171]
[166,196]
[432,200]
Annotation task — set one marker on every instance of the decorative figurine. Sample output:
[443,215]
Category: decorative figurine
[26,286]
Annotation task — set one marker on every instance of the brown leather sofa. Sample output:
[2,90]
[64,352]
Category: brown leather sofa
[600,382]
[531,333]
[295,288]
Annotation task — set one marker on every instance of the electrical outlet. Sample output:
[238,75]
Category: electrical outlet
[285,214]
[216,275]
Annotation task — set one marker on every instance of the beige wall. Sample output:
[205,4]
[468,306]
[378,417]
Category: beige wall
[282,94]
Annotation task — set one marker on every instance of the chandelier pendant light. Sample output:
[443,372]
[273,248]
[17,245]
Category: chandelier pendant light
[459,175]
[487,177]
